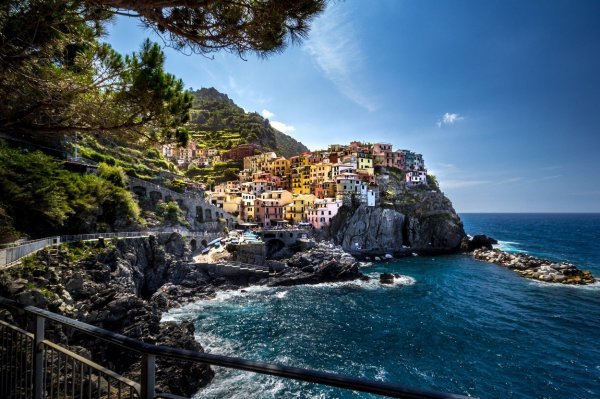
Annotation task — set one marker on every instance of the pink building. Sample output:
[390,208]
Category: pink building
[271,207]
[323,210]
[383,154]
[399,160]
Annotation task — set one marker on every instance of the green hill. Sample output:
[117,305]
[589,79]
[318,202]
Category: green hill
[217,122]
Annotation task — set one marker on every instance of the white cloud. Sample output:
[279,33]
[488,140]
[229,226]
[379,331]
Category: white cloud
[449,119]
[282,127]
[333,45]
[267,114]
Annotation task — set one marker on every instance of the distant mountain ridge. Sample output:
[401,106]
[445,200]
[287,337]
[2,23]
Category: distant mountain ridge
[217,122]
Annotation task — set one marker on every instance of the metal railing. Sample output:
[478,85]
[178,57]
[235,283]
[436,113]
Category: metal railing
[35,367]
[11,253]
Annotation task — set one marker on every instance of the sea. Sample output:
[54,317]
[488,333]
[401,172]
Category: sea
[449,323]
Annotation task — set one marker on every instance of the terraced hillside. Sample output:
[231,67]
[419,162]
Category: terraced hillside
[217,122]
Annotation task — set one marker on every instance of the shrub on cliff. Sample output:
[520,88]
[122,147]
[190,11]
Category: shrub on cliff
[42,198]
[113,174]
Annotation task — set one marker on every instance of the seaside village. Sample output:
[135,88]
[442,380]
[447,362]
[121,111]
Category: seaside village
[305,190]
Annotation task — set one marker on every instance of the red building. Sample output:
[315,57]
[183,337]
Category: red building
[238,153]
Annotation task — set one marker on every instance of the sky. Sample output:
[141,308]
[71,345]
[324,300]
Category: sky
[502,98]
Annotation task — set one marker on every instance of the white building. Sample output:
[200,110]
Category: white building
[416,177]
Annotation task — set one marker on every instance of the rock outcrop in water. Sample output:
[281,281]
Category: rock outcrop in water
[324,262]
[536,268]
[408,220]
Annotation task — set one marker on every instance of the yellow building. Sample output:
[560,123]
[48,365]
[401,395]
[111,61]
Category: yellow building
[258,162]
[233,205]
[295,211]
[278,166]
[248,207]
[320,172]
[364,164]
[299,160]
[301,180]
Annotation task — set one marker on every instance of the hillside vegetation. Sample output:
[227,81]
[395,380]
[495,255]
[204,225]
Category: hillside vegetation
[217,122]
[39,197]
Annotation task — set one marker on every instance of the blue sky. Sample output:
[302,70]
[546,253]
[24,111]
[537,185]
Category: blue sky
[501,97]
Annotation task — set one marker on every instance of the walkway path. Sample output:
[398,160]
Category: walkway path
[12,253]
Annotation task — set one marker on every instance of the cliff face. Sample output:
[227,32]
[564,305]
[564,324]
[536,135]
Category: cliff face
[120,287]
[408,220]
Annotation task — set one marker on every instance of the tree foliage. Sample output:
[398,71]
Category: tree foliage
[240,26]
[57,77]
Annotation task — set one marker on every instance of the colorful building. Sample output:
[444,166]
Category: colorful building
[326,189]
[270,207]
[319,173]
[301,180]
[416,177]
[295,211]
[322,212]
[364,164]
[247,213]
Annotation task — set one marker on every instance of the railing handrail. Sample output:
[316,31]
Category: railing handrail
[22,251]
[296,373]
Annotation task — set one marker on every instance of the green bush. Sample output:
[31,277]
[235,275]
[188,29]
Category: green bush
[113,174]
[42,198]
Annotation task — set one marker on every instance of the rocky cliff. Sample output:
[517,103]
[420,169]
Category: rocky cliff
[407,220]
[118,286]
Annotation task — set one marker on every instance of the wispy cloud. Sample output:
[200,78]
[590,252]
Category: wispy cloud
[449,119]
[460,183]
[551,167]
[267,114]
[509,180]
[282,127]
[334,46]
[551,177]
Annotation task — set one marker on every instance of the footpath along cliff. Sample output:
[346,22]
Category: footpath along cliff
[407,220]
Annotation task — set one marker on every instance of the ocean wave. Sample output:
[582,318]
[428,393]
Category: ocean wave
[281,295]
[509,246]
[371,284]
[590,287]
[190,311]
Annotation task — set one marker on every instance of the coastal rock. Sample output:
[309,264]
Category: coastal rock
[421,221]
[476,242]
[169,375]
[386,278]
[325,262]
[32,297]
[123,287]
[536,268]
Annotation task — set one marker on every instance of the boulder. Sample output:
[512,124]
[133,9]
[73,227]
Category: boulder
[386,278]
[477,242]
[32,297]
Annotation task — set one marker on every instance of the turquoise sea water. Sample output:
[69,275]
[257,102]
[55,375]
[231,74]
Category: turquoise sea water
[452,324]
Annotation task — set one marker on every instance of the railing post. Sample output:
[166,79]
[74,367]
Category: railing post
[148,376]
[38,358]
